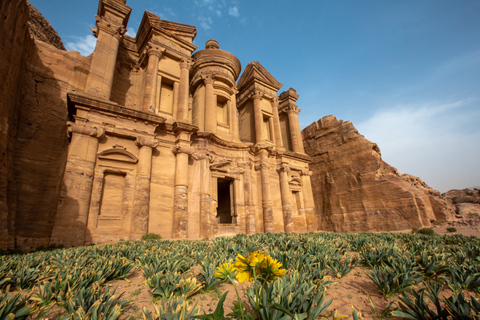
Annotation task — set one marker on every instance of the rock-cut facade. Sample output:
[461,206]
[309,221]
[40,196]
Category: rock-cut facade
[167,141]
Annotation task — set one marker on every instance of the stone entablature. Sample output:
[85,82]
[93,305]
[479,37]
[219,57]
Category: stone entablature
[167,142]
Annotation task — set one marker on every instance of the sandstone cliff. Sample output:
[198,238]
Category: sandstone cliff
[466,202]
[355,190]
[33,112]
[41,29]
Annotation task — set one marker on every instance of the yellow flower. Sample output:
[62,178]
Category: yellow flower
[265,267]
[224,271]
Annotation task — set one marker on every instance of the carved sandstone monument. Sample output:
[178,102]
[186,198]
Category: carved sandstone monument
[165,139]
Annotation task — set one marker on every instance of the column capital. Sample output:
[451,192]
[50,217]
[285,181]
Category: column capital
[306,172]
[256,95]
[263,165]
[283,167]
[93,131]
[153,50]
[292,110]
[186,64]
[146,142]
[105,26]
[183,149]
[209,78]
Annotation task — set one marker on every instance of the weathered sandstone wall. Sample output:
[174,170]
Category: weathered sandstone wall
[33,114]
[14,40]
[466,202]
[355,190]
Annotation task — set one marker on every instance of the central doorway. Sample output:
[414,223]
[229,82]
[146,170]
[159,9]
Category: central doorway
[225,205]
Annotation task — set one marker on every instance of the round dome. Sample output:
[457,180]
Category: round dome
[214,59]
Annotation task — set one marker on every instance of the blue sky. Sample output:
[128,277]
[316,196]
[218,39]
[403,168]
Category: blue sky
[406,73]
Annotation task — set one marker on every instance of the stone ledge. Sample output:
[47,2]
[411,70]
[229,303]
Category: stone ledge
[75,101]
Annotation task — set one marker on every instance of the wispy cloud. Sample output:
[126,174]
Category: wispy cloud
[233,11]
[132,32]
[84,45]
[206,11]
[167,13]
[205,22]
[438,142]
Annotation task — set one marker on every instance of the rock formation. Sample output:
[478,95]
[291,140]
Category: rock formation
[33,112]
[466,202]
[355,190]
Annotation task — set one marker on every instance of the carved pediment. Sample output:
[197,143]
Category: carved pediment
[255,72]
[117,153]
[221,165]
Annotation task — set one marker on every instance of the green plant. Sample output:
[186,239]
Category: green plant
[15,307]
[390,281]
[387,311]
[452,229]
[426,231]
[218,314]
[473,214]
[151,236]
[341,267]
[173,308]
[207,269]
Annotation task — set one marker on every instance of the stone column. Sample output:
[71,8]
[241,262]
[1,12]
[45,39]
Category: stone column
[142,187]
[206,213]
[266,201]
[183,91]
[295,133]
[234,129]
[250,227]
[309,204]
[276,124]
[210,105]
[257,111]
[149,99]
[102,67]
[180,200]
[287,206]
[72,214]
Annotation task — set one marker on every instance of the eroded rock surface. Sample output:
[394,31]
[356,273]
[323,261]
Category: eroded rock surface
[466,202]
[355,190]
[41,29]
[33,111]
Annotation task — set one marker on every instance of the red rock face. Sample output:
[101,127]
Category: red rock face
[355,190]
[33,112]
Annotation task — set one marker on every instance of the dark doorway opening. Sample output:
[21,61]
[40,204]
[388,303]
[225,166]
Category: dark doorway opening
[225,201]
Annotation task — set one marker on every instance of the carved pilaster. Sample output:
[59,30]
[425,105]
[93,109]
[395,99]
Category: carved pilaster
[72,212]
[257,111]
[154,55]
[142,186]
[276,124]
[210,104]
[183,90]
[287,206]
[264,168]
[310,218]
